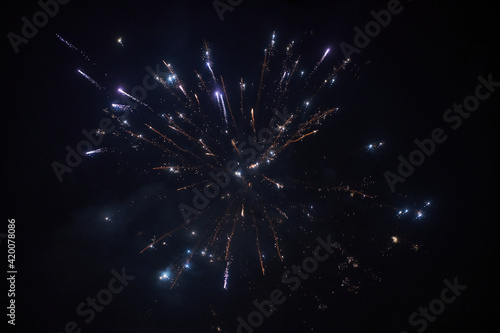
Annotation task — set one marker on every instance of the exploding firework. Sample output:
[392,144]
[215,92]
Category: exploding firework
[228,150]
[236,151]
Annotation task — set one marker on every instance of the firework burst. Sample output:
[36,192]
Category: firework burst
[223,148]
[237,151]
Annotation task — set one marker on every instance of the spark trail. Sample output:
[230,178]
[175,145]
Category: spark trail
[91,80]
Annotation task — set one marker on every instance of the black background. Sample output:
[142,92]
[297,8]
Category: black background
[428,58]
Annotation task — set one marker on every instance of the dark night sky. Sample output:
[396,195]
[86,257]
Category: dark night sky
[395,90]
